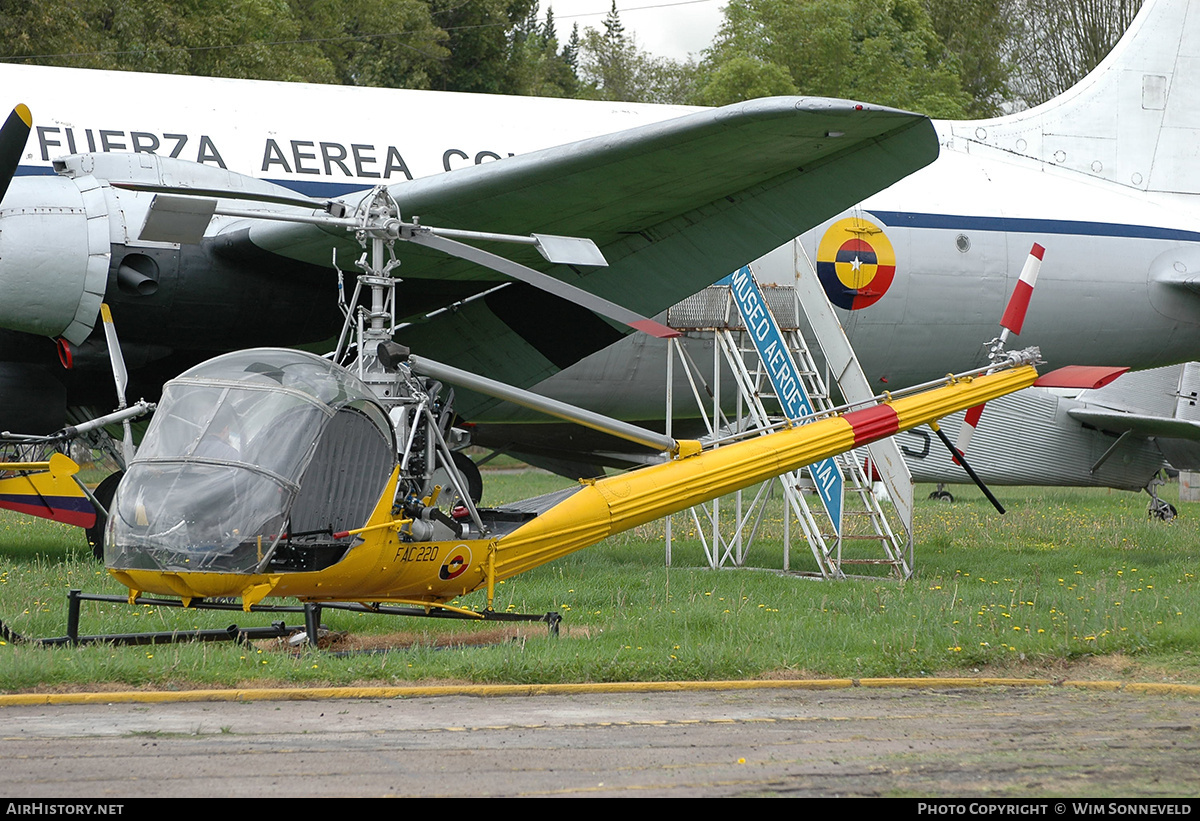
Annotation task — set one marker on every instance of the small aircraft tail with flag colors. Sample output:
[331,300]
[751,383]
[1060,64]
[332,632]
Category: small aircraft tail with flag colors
[48,490]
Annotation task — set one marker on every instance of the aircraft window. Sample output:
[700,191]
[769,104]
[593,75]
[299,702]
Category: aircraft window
[244,449]
[282,368]
[272,429]
[195,517]
[184,414]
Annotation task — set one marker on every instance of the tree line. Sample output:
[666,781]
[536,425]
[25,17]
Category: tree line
[945,58]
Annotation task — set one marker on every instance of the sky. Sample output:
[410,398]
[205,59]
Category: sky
[664,28]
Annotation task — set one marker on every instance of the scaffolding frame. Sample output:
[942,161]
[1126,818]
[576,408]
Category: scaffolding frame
[713,316]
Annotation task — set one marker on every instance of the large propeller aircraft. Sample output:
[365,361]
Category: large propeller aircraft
[673,198]
[1105,177]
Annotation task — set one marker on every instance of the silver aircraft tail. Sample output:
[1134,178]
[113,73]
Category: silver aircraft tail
[1134,120]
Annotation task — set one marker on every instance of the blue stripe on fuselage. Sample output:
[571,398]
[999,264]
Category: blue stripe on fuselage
[893,219]
[1017,225]
[319,190]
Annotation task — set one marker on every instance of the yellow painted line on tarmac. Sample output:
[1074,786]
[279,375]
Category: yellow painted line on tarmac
[483,690]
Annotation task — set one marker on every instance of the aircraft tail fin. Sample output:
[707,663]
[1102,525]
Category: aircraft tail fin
[1134,120]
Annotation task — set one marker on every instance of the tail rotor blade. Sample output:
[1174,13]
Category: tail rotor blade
[970,422]
[1018,303]
[1011,322]
[961,460]
[13,136]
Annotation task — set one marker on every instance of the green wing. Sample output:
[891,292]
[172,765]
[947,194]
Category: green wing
[674,206]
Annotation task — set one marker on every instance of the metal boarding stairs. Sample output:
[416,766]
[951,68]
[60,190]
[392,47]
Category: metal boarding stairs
[866,542]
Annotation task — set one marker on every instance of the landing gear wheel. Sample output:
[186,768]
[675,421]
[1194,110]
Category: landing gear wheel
[1163,511]
[1159,509]
[941,496]
[104,493]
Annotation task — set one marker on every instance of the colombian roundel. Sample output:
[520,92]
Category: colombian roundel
[456,564]
[855,263]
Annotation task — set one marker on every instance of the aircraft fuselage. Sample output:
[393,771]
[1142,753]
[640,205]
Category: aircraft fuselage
[942,251]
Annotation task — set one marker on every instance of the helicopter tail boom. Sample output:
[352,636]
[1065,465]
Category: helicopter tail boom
[608,506]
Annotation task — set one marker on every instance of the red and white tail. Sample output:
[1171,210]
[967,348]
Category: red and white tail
[1018,303]
[1012,321]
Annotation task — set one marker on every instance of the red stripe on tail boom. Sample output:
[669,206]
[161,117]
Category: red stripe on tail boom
[874,423]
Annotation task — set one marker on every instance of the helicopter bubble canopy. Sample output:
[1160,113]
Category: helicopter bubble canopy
[244,468]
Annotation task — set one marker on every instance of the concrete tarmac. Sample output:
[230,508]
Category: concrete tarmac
[940,739]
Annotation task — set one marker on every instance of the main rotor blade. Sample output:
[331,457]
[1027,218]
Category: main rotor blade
[13,135]
[223,193]
[545,282]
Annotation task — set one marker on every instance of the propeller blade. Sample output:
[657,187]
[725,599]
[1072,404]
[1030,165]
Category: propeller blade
[120,374]
[128,451]
[120,377]
[13,135]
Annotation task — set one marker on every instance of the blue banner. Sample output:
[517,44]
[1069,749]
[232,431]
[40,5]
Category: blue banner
[785,378]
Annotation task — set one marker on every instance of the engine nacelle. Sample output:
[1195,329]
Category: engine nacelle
[55,251]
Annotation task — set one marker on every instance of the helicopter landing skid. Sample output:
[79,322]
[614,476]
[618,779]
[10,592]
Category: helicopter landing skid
[311,611]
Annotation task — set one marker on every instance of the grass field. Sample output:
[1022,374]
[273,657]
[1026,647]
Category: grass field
[1068,583]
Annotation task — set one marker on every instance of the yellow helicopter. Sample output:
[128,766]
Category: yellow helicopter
[273,472]
[277,473]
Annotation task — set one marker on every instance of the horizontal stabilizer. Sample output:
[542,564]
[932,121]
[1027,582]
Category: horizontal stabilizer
[46,489]
[1079,376]
[1137,424]
[1186,280]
